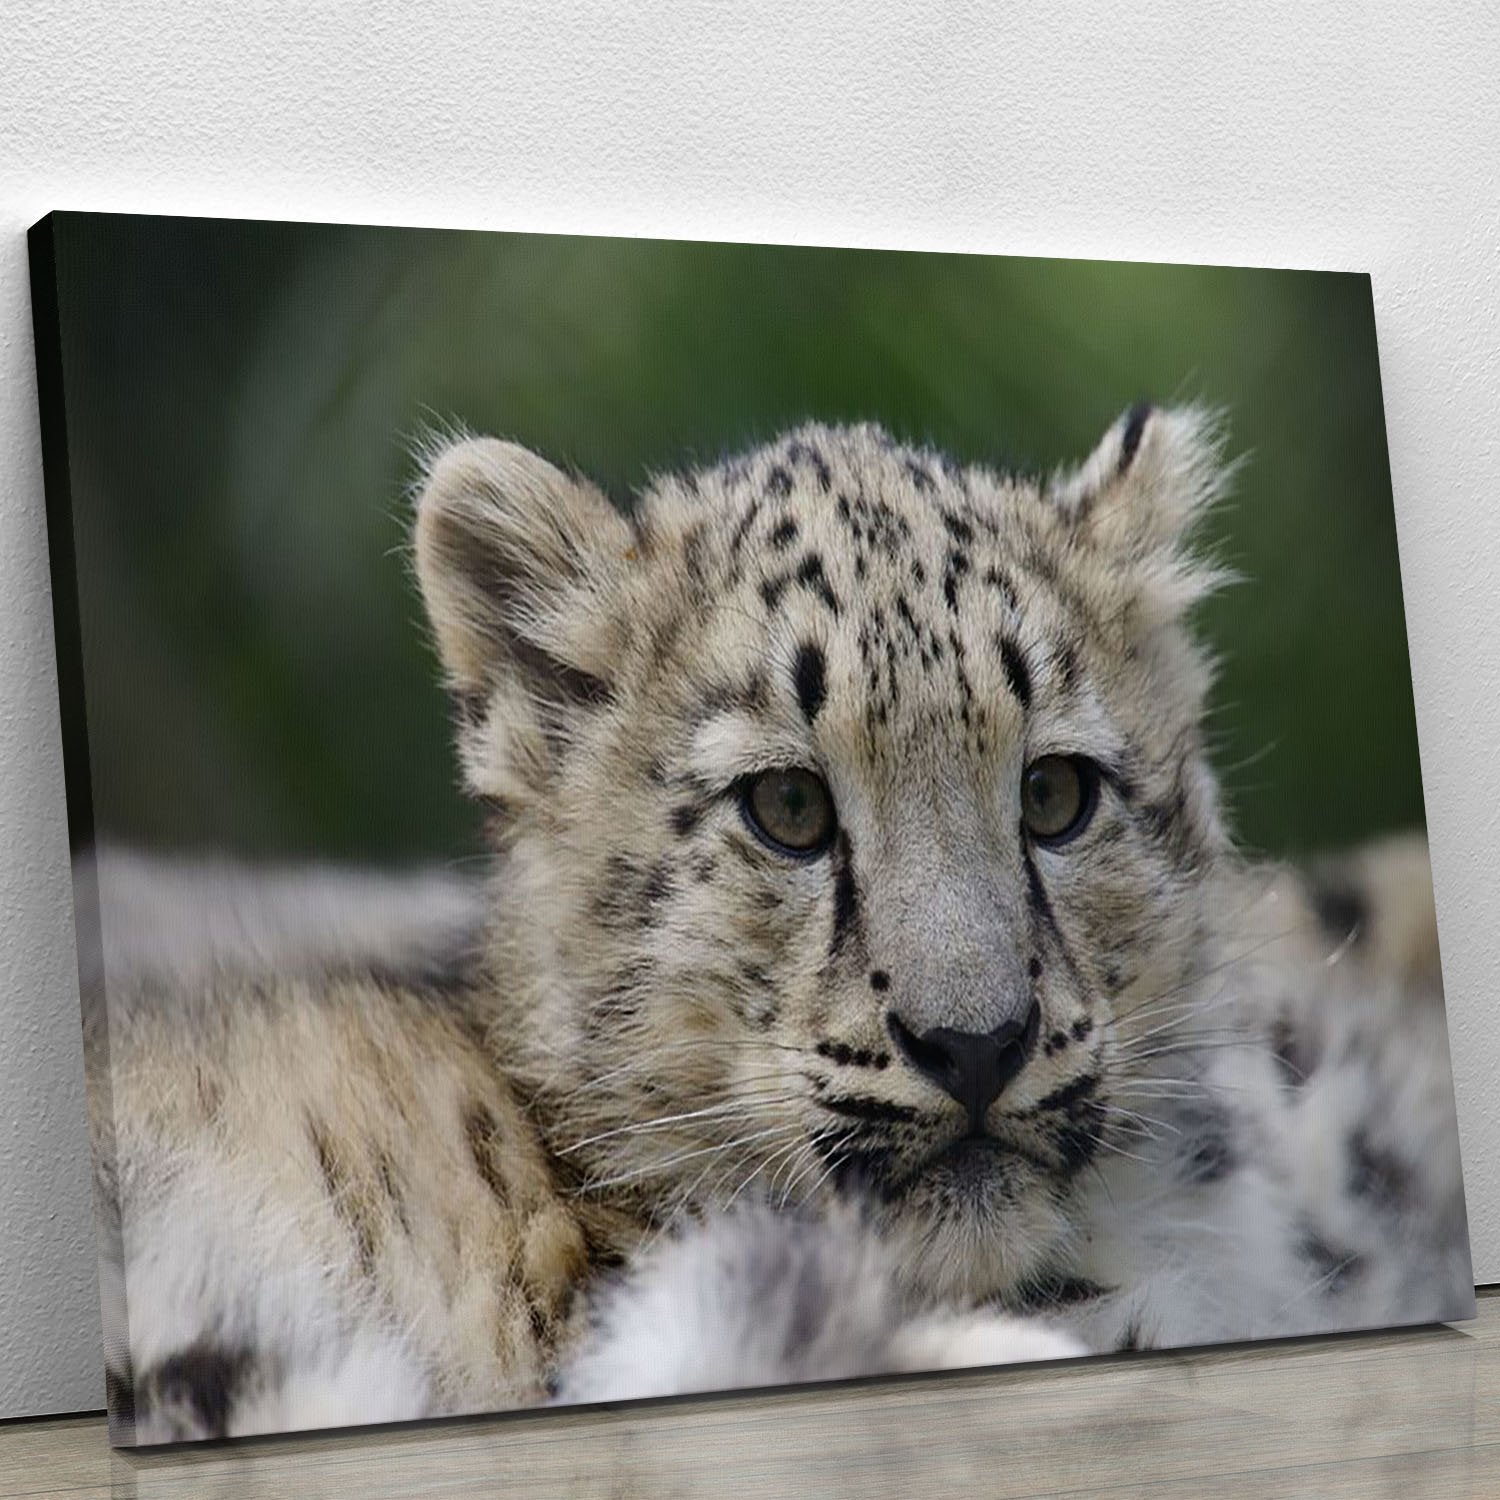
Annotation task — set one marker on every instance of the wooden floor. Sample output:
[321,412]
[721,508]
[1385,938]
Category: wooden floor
[1413,1414]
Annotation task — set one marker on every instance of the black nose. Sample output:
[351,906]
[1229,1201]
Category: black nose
[971,1066]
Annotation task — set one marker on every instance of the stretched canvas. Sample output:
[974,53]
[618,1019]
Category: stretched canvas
[655,817]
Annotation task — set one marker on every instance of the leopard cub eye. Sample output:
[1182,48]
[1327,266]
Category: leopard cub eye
[1058,796]
[791,810]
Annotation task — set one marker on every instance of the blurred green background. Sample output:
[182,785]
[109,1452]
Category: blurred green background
[242,399]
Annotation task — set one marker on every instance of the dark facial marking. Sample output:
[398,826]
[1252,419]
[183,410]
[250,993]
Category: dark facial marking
[1017,674]
[879,979]
[858,1107]
[909,620]
[810,575]
[743,529]
[961,676]
[779,482]
[580,686]
[784,534]
[612,904]
[755,974]
[958,565]
[1002,586]
[810,680]
[850,1057]
[845,893]
[686,818]
[1067,666]
[956,527]
[692,552]
[859,1168]
[1040,903]
[1077,1140]
[1082,1087]
[919,475]
[1166,821]
[748,854]
[804,453]
[655,888]
[1119,781]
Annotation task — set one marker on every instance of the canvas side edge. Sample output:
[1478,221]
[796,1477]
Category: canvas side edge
[78,788]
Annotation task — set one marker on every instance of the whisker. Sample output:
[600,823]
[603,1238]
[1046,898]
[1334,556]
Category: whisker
[793,1165]
[1165,1089]
[835,1162]
[649,1062]
[1188,1048]
[760,1167]
[1324,1281]
[1196,1005]
[599,1184]
[742,1106]
[1148,1121]
[1199,975]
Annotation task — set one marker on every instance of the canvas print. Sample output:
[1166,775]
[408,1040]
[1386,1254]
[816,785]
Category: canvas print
[655,817]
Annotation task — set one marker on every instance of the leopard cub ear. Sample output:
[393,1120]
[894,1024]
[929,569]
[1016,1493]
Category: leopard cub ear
[519,564]
[1152,474]
[1139,494]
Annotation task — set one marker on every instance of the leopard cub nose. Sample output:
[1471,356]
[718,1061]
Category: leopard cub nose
[972,1067]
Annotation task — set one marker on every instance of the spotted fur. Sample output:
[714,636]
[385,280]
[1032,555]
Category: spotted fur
[678,1049]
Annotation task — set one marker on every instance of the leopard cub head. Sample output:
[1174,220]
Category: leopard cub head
[853,821]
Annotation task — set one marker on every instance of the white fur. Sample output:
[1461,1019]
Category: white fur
[756,1298]
[178,921]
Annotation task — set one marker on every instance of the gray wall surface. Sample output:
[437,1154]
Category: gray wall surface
[1358,137]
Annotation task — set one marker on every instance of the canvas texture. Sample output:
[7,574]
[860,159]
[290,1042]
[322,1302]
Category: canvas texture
[657,818]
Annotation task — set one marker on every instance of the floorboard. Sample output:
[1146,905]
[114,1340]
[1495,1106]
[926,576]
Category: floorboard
[1412,1414]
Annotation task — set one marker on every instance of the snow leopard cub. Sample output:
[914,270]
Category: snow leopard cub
[866,980]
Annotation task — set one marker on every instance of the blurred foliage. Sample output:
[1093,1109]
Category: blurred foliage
[242,400]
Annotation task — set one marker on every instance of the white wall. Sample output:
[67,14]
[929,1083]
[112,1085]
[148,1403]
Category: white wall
[1362,137]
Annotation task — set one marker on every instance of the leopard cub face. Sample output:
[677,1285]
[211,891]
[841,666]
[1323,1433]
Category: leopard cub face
[854,827]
